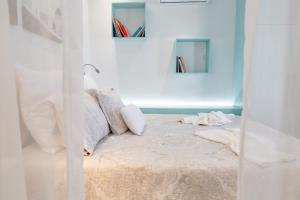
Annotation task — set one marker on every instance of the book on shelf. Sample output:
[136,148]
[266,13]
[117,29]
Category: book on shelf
[123,28]
[140,32]
[184,68]
[177,64]
[120,30]
[143,33]
[116,28]
[137,32]
[180,65]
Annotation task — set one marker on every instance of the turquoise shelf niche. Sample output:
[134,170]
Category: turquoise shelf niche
[132,15]
[194,53]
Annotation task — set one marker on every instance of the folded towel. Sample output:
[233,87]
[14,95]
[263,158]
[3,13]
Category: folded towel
[256,150]
[209,119]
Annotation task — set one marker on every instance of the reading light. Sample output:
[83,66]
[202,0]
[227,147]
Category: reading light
[95,68]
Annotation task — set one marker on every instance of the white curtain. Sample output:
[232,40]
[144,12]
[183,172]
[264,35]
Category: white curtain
[270,143]
[41,84]
[73,92]
[12,182]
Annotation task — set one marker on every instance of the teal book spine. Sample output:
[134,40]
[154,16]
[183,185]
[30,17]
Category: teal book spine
[136,32]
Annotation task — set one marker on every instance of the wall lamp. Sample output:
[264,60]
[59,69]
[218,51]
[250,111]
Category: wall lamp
[90,65]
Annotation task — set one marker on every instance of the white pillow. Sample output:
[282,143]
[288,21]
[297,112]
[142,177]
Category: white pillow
[37,110]
[134,119]
[95,124]
[111,105]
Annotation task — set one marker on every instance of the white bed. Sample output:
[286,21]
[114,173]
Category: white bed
[168,162]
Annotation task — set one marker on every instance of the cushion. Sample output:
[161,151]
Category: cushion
[37,110]
[111,105]
[134,119]
[95,124]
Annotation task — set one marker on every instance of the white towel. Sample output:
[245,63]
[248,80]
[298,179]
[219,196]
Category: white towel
[209,119]
[228,138]
[223,118]
[256,151]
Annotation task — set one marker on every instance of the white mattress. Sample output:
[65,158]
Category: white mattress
[167,162]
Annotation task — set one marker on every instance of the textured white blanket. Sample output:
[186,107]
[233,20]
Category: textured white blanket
[167,163]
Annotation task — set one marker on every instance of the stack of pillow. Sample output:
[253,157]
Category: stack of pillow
[119,117]
[41,105]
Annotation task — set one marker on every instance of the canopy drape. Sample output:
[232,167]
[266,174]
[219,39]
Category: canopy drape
[271,130]
[41,84]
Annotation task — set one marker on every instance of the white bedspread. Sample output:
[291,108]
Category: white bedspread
[168,162]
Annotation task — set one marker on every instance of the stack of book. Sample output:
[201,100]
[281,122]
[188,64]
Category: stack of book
[120,30]
[180,65]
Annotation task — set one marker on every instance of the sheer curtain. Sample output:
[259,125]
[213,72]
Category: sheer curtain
[41,80]
[12,182]
[270,143]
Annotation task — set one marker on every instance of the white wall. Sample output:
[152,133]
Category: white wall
[144,70]
[274,92]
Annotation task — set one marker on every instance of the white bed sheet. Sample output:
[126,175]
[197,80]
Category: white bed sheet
[167,162]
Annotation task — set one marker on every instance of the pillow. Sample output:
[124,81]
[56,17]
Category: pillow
[95,124]
[111,105]
[43,127]
[37,110]
[134,119]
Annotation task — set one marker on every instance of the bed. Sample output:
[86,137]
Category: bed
[168,162]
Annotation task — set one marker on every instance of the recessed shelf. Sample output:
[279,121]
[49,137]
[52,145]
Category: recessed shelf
[131,17]
[192,55]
